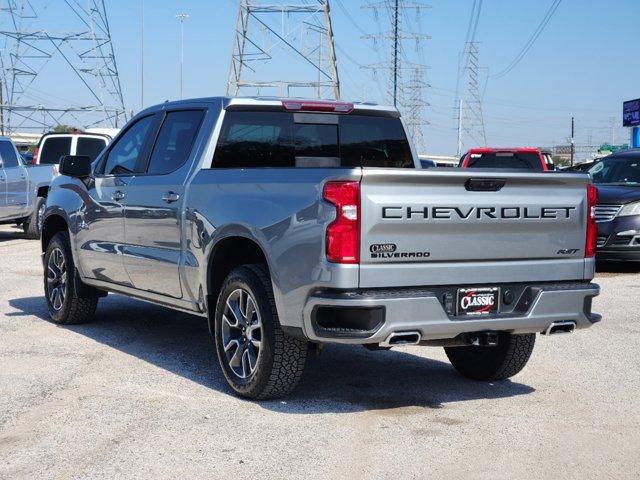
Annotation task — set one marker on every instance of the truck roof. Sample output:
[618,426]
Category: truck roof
[504,149]
[277,102]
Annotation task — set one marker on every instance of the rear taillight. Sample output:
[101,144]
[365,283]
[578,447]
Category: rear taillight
[592,227]
[34,160]
[343,234]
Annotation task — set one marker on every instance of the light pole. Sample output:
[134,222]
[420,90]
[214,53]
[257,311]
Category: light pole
[182,17]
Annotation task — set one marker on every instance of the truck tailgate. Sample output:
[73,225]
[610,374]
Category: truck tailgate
[469,227]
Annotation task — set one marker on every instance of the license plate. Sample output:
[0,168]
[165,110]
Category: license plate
[478,301]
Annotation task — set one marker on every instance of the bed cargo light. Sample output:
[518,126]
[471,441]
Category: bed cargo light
[317,106]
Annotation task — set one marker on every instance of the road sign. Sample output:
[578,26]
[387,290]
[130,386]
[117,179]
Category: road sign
[631,113]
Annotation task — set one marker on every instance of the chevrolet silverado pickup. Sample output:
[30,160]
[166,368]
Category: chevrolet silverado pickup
[23,190]
[289,224]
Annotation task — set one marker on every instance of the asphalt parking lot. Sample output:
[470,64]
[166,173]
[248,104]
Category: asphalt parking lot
[137,394]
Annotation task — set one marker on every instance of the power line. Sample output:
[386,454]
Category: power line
[310,40]
[86,52]
[532,40]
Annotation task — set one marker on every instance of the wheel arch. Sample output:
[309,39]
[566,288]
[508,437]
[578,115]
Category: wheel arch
[51,225]
[227,254]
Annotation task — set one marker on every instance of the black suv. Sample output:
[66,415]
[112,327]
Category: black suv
[618,211]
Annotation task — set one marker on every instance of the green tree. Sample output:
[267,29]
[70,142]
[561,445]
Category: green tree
[62,128]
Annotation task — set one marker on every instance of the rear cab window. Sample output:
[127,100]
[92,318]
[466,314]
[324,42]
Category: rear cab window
[53,148]
[90,146]
[506,160]
[285,139]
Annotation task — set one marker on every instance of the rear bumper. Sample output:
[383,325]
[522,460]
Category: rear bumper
[619,239]
[371,316]
[626,254]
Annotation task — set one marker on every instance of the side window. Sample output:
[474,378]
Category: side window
[255,139]
[123,156]
[91,147]
[175,141]
[8,155]
[53,148]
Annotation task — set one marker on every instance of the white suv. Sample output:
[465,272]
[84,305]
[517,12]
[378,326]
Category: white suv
[52,146]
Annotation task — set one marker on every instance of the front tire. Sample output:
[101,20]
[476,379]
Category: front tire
[258,360]
[65,306]
[32,226]
[493,363]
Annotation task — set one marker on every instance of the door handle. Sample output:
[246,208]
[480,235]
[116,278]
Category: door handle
[117,195]
[170,197]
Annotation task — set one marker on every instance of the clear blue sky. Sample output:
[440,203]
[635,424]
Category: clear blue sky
[583,64]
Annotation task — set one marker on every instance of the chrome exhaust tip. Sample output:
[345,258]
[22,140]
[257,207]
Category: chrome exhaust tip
[402,338]
[560,327]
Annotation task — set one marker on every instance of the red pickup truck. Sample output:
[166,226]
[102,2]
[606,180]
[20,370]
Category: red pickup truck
[526,158]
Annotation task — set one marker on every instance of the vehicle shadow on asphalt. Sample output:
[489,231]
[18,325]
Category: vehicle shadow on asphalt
[342,379]
[16,233]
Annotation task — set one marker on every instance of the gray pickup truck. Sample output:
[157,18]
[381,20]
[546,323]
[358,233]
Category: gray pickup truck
[289,224]
[23,189]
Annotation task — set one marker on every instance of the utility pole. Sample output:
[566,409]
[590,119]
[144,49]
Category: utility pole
[613,130]
[395,54]
[459,150]
[182,17]
[573,145]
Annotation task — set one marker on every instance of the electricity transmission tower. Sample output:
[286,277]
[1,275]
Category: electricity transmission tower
[407,95]
[86,67]
[268,34]
[414,108]
[471,119]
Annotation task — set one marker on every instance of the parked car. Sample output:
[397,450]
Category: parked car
[521,158]
[548,159]
[618,211]
[27,158]
[582,167]
[23,190]
[53,146]
[427,163]
[289,224]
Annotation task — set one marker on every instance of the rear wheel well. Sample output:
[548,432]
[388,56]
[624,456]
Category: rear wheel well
[52,225]
[227,255]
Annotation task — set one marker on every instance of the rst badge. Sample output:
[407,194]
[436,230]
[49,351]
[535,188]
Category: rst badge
[478,301]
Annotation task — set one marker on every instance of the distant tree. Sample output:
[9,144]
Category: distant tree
[560,161]
[62,128]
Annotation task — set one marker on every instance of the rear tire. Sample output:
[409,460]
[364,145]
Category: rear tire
[493,363]
[32,225]
[65,306]
[258,359]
